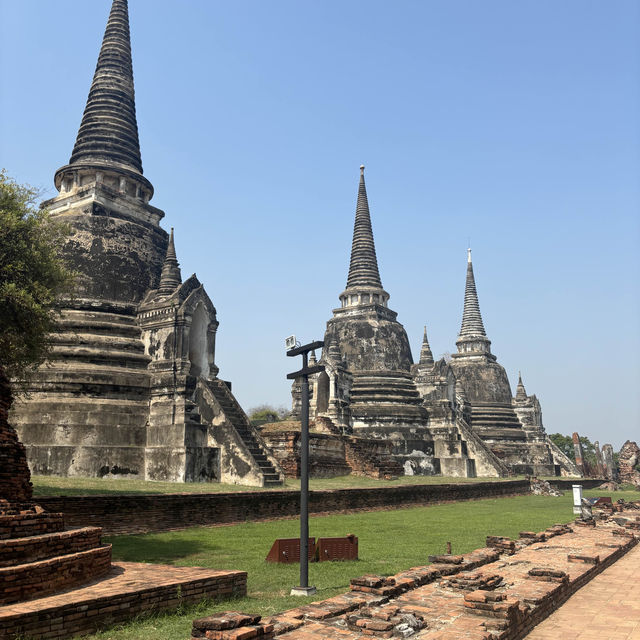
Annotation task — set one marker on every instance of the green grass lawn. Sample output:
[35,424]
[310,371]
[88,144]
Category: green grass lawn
[389,541]
[54,486]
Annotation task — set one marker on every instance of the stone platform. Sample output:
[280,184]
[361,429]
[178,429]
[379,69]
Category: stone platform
[129,589]
[608,607]
[496,593]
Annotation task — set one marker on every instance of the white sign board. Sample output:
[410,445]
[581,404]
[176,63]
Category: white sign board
[577,498]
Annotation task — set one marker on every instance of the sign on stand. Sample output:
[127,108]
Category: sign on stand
[577,499]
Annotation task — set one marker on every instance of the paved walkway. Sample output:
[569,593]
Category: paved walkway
[607,608]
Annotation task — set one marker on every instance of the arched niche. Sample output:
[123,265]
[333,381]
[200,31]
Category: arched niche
[322,390]
[199,343]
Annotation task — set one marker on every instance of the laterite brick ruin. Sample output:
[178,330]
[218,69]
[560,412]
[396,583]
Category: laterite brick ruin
[499,592]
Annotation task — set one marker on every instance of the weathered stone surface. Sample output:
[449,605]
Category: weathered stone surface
[370,386]
[628,461]
[132,387]
[456,418]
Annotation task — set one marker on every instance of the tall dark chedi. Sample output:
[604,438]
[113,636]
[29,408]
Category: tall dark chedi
[132,389]
[372,343]
[368,389]
[486,388]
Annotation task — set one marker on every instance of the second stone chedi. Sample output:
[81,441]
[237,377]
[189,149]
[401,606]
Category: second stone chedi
[457,418]
[132,388]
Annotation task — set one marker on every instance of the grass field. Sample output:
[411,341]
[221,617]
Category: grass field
[389,541]
[53,486]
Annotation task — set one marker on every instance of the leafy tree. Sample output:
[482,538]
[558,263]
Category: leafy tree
[564,443]
[32,276]
[265,413]
[589,450]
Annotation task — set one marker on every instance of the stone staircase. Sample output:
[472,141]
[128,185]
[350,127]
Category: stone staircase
[365,462]
[38,557]
[240,422]
[496,421]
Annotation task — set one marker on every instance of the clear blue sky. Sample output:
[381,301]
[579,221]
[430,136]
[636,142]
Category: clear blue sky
[514,125]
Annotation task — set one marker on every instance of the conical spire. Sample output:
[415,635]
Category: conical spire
[171,276]
[108,134]
[426,357]
[521,394]
[312,359]
[363,269]
[471,318]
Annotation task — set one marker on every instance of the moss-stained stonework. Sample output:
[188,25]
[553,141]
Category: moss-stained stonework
[135,344]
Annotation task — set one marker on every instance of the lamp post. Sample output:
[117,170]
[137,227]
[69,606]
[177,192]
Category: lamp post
[304,589]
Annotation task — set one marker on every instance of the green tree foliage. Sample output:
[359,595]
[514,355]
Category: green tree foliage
[564,443]
[32,276]
[265,413]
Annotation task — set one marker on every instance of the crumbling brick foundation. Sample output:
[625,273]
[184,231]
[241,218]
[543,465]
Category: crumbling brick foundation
[496,593]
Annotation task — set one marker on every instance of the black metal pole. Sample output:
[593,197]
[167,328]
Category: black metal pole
[304,479]
[304,589]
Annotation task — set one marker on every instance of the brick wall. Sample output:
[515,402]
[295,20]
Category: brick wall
[26,581]
[65,619]
[22,550]
[121,514]
[22,525]
[15,485]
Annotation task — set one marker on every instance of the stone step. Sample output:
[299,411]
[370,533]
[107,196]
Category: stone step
[77,317]
[91,355]
[40,578]
[385,396]
[240,422]
[30,524]
[15,551]
[111,342]
[69,373]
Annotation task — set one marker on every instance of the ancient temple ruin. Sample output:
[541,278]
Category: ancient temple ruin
[456,418]
[511,427]
[132,388]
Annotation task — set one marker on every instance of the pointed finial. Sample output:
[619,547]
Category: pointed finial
[171,277]
[312,358]
[108,133]
[426,356]
[521,393]
[171,247]
[471,319]
[363,267]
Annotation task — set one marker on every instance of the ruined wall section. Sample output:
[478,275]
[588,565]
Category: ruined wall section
[628,461]
[15,477]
